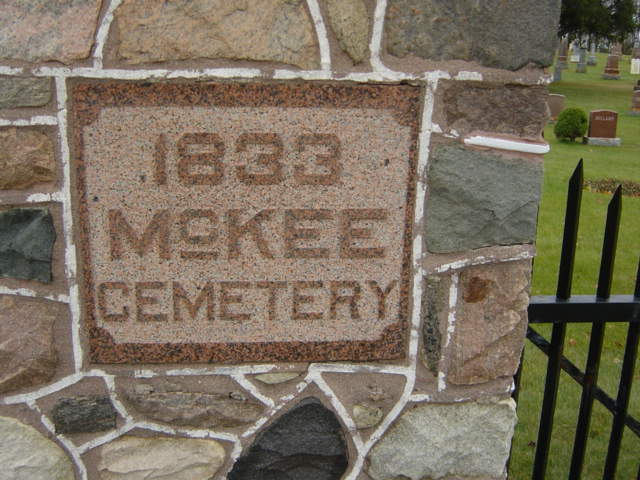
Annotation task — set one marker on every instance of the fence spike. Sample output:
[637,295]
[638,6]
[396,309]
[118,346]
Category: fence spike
[570,237]
[609,244]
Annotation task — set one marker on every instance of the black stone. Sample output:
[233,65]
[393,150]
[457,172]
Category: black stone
[305,443]
[26,244]
[84,414]
[432,302]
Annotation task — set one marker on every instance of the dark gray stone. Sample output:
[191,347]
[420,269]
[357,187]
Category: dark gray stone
[16,92]
[306,443]
[492,107]
[84,414]
[494,33]
[434,300]
[479,199]
[26,244]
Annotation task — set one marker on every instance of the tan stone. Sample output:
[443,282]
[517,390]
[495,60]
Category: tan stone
[133,458]
[365,416]
[349,21]
[264,30]
[491,320]
[27,353]
[26,158]
[41,30]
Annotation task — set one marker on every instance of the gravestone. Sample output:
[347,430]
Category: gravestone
[635,66]
[557,73]
[635,103]
[556,105]
[593,59]
[575,53]
[636,86]
[582,61]
[563,53]
[612,70]
[635,53]
[603,125]
[249,207]
[616,49]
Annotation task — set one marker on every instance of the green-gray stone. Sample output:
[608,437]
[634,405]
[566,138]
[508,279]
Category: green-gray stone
[16,92]
[434,299]
[494,33]
[26,244]
[477,199]
[94,413]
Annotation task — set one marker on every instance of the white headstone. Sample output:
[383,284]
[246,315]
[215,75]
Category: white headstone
[635,66]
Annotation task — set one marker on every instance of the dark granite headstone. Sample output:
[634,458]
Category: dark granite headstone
[612,70]
[26,244]
[84,414]
[635,103]
[306,443]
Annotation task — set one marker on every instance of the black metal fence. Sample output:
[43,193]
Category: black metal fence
[603,308]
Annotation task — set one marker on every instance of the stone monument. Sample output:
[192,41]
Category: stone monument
[254,238]
[556,105]
[582,61]
[563,53]
[592,60]
[612,70]
[603,125]
[635,103]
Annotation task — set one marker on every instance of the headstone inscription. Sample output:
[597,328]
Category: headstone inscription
[603,125]
[612,70]
[260,222]
[556,105]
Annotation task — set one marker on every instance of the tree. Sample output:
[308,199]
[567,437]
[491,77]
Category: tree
[611,19]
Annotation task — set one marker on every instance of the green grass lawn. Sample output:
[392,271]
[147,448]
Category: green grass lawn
[589,92]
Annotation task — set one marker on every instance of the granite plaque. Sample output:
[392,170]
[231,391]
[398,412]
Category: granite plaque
[244,222]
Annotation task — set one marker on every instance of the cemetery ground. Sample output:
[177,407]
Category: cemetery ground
[589,92]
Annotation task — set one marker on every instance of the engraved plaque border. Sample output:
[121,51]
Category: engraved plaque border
[88,97]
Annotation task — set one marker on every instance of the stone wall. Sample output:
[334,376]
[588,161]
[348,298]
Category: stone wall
[442,410]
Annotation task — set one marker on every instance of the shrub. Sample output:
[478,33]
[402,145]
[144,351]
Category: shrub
[571,124]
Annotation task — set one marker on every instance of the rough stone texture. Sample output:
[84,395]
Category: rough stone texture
[268,30]
[478,199]
[305,443]
[26,244]
[16,92]
[491,322]
[27,353]
[25,454]
[204,410]
[276,378]
[40,30]
[494,33]
[365,416]
[26,158]
[490,107]
[84,414]
[349,22]
[434,304]
[435,441]
[134,458]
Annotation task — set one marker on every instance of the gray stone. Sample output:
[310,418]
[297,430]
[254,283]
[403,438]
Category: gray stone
[26,454]
[491,107]
[491,322]
[276,378]
[435,441]
[306,443]
[134,458]
[204,410]
[365,416]
[26,158]
[603,142]
[479,199]
[84,414]
[349,22]
[434,302]
[16,92]
[26,244]
[41,30]
[494,33]
[264,30]
[27,353]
